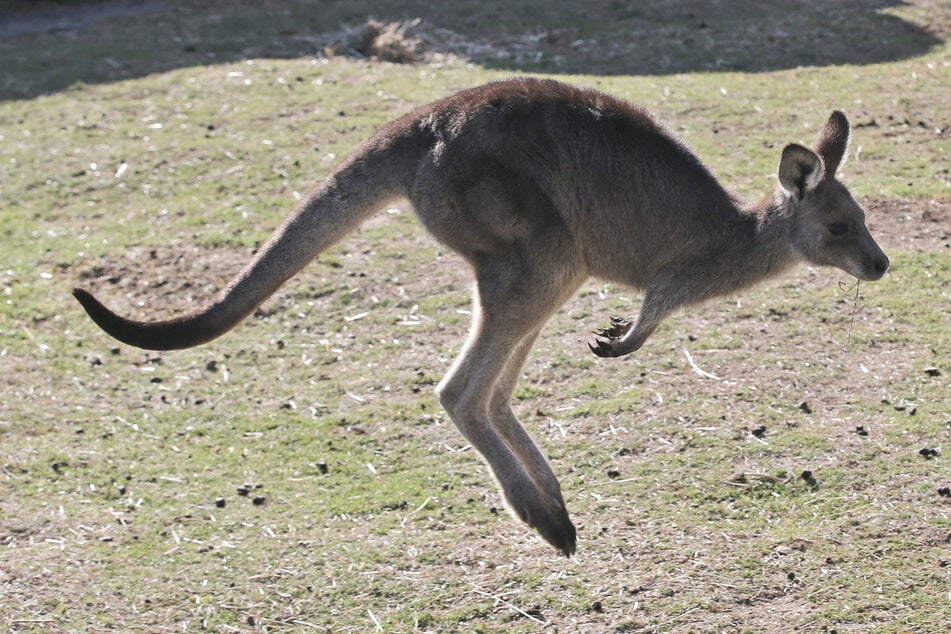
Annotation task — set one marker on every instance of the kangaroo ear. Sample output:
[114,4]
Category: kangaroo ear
[800,170]
[833,141]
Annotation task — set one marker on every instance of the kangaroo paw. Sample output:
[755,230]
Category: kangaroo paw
[554,526]
[560,534]
[548,516]
[609,341]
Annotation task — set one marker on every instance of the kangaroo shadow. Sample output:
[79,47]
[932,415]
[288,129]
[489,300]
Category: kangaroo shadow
[48,46]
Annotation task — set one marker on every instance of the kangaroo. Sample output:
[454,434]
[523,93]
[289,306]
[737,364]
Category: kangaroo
[540,185]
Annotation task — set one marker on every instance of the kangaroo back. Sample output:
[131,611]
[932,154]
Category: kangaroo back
[361,185]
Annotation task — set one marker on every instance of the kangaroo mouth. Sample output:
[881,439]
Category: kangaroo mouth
[867,267]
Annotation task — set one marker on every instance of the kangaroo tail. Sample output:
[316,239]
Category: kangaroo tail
[373,176]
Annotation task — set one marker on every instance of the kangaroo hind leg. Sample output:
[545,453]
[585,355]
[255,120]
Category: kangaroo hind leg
[507,425]
[509,310]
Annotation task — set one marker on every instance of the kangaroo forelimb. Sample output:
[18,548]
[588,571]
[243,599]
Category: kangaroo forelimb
[613,341]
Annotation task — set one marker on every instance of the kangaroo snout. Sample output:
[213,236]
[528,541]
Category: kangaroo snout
[874,264]
[879,267]
[870,271]
[866,267]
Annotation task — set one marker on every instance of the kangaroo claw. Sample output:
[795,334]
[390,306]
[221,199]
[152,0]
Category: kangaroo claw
[608,341]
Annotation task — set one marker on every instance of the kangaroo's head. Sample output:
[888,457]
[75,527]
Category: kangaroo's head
[828,225]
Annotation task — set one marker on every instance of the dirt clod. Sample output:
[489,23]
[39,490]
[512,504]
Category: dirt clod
[929,452]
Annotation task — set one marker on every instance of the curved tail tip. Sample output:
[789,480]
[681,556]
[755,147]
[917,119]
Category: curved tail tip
[102,316]
[86,299]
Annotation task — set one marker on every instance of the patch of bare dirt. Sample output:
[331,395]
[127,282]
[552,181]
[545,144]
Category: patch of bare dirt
[150,283]
[921,225]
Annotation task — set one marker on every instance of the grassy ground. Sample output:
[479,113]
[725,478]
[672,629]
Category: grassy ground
[299,475]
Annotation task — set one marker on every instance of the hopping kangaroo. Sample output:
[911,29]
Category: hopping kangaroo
[539,185]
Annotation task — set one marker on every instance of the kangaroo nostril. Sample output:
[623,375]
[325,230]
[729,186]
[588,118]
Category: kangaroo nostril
[881,265]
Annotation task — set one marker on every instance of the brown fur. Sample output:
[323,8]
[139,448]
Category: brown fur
[540,185]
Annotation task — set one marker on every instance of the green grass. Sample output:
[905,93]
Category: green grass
[374,510]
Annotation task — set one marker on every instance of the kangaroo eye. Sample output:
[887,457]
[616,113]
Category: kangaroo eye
[839,228]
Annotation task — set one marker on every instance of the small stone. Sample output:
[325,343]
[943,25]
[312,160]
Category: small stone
[614,474]
[220,502]
[932,371]
[804,407]
[861,431]
[759,432]
[258,500]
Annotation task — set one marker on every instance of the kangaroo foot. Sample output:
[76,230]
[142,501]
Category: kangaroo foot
[549,517]
[613,340]
[560,534]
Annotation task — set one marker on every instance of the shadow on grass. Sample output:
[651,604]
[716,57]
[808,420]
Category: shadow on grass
[48,46]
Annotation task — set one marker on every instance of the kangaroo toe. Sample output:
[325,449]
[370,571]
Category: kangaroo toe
[560,533]
[601,347]
[549,517]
